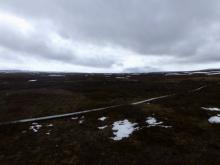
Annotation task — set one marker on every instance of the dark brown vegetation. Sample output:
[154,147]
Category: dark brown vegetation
[191,140]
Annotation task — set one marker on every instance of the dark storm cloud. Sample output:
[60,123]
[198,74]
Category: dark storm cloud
[185,31]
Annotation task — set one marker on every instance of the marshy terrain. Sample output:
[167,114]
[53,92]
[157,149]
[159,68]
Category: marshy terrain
[157,118]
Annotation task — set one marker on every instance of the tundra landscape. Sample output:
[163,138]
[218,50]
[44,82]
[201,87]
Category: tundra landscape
[67,118]
[109,82]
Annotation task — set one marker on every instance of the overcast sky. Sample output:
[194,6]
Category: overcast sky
[109,35]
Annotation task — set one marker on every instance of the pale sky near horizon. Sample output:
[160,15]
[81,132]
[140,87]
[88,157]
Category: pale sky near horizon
[109,35]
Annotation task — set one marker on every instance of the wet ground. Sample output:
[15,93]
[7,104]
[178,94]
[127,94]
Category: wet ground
[168,130]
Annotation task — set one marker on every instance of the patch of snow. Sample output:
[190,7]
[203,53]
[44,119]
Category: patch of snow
[50,125]
[165,126]
[123,129]
[175,74]
[81,121]
[102,118]
[120,77]
[217,73]
[103,127]
[214,119]
[74,118]
[152,122]
[35,127]
[211,109]
[48,133]
[32,80]
[56,75]
[200,72]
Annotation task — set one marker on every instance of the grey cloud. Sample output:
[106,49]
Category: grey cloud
[175,28]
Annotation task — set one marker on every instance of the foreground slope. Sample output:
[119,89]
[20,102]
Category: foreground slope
[169,130]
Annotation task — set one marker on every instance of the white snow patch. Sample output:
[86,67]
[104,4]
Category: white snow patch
[123,129]
[81,120]
[214,119]
[210,74]
[165,126]
[152,122]
[103,127]
[32,80]
[74,118]
[48,133]
[211,109]
[56,75]
[35,127]
[102,118]
[175,74]
[50,125]
[120,77]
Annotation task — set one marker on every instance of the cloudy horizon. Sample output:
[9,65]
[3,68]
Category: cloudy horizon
[109,36]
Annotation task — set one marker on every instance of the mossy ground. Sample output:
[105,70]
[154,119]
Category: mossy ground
[190,140]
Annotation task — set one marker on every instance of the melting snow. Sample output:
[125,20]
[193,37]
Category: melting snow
[175,74]
[165,126]
[32,80]
[74,118]
[81,120]
[214,119]
[103,127]
[211,109]
[217,73]
[120,77]
[123,129]
[102,118]
[48,133]
[50,125]
[152,122]
[35,127]
[56,75]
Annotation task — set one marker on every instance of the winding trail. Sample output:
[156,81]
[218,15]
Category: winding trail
[197,89]
[151,99]
[92,110]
